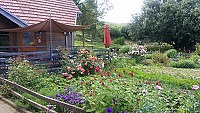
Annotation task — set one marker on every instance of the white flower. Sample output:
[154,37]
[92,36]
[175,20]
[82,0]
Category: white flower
[144,91]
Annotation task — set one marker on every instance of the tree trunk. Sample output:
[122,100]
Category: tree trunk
[83,38]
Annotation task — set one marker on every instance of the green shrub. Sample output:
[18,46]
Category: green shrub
[159,57]
[195,58]
[125,49]
[120,40]
[147,62]
[149,56]
[197,49]
[22,73]
[157,48]
[183,64]
[172,53]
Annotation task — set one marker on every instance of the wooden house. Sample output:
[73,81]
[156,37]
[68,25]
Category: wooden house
[21,13]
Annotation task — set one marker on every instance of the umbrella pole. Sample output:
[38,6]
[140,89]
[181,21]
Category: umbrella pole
[50,37]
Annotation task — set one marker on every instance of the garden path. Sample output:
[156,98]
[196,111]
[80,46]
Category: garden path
[5,108]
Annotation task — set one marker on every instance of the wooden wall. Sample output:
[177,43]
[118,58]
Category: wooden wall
[58,39]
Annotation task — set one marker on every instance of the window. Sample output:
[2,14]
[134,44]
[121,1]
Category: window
[27,38]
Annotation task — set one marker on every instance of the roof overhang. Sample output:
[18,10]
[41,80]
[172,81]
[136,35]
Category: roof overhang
[12,17]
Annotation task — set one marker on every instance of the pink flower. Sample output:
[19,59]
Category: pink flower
[131,74]
[195,87]
[115,69]
[101,71]
[158,87]
[91,67]
[72,61]
[65,74]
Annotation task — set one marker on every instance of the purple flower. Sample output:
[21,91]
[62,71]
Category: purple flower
[109,110]
[50,107]
[68,89]
[117,111]
[126,112]
[195,87]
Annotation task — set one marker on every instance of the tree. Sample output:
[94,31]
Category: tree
[174,22]
[91,12]
[125,31]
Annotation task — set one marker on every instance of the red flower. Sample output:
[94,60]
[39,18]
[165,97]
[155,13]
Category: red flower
[131,74]
[15,61]
[140,81]
[36,68]
[86,83]
[148,82]
[41,59]
[115,63]
[119,74]
[95,79]
[153,79]
[102,84]
[51,62]
[106,86]
[160,84]
[91,67]
[124,83]
[115,69]
[138,92]
[101,75]
[96,69]
[110,80]
[157,83]
[138,99]
[81,82]
[137,88]
[90,95]
[124,71]
[13,56]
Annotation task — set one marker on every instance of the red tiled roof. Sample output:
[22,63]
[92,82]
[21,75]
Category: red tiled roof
[35,11]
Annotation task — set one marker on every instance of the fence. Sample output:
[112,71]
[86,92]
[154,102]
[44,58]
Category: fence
[59,104]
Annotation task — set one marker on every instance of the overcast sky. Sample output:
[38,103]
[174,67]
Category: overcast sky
[122,11]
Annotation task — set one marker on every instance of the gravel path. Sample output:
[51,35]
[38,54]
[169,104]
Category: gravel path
[5,108]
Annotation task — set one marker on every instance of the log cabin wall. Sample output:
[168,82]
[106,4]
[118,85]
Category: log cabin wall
[58,39]
[41,41]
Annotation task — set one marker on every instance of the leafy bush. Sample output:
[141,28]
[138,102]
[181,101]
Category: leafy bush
[84,64]
[195,58]
[172,53]
[120,40]
[149,56]
[197,48]
[157,48]
[183,64]
[159,57]
[147,62]
[125,49]
[22,73]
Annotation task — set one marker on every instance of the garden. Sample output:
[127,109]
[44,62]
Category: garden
[133,80]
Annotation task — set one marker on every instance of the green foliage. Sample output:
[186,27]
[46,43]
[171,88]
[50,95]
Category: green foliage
[149,56]
[197,48]
[183,64]
[172,53]
[159,48]
[120,40]
[83,65]
[159,57]
[22,73]
[195,58]
[173,22]
[125,49]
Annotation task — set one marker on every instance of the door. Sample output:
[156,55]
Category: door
[28,39]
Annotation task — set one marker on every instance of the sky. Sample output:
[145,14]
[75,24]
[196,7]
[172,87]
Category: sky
[123,11]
